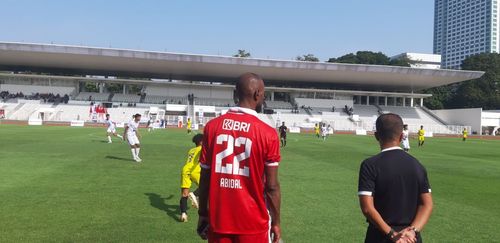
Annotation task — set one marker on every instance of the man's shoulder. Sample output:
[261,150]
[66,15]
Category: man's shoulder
[214,121]
[371,160]
[194,150]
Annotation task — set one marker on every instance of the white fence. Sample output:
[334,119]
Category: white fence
[440,129]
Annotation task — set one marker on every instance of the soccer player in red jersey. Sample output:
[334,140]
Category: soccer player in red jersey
[239,189]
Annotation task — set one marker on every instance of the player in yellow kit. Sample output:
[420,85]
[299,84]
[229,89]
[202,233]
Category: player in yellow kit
[316,130]
[421,138]
[464,134]
[191,173]
[188,125]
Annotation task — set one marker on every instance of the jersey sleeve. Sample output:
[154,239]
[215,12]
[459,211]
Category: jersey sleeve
[423,181]
[206,153]
[273,157]
[367,177]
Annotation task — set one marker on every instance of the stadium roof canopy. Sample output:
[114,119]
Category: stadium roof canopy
[147,64]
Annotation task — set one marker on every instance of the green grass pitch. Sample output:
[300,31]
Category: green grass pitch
[64,184]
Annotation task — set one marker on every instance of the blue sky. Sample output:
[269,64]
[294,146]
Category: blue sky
[267,29]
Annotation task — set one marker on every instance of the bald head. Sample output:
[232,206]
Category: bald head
[250,91]
[389,128]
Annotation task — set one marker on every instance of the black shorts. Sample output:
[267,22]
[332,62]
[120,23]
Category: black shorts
[283,135]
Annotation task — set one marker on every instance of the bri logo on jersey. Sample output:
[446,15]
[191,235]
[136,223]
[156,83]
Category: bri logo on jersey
[231,125]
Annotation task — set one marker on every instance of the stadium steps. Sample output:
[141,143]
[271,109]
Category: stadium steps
[15,110]
[308,112]
[378,108]
[432,114]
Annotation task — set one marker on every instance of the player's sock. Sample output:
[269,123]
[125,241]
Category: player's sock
[109,139]
[183,204]
[133,153]
[137,150]
[120,136]
[197,192]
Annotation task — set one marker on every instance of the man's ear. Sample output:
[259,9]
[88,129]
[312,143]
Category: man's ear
[376,136]
[400,137]
[256,95]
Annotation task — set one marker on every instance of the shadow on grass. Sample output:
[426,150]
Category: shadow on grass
[156,201]
[118,158]
[99,141]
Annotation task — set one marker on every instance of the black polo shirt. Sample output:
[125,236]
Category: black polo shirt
[395,179]
[282,130]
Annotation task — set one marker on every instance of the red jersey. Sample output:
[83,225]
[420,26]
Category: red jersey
[236,147]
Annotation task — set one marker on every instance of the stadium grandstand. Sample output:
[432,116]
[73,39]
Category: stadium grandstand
[58,83]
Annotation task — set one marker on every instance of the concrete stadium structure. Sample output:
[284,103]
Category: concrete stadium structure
[300,93]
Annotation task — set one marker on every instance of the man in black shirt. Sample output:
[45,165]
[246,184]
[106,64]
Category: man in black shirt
[282,130]
[394,192]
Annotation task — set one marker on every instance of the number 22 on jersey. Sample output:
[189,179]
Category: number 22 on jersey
[231,143]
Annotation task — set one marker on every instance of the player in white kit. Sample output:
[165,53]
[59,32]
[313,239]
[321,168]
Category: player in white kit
[111,129]
[132,135]
[406,138]
[324,131]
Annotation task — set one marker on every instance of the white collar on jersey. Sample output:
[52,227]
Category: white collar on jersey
[243,110]
[391,148]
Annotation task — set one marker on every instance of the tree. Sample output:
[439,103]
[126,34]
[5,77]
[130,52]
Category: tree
[242,53]
[348,58]
[134,88]
[440,97]
[370,57]
[403,61]
[307,58]
[482,92]
[91,87]
[114,87]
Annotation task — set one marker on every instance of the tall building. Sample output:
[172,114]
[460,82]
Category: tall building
[463,28]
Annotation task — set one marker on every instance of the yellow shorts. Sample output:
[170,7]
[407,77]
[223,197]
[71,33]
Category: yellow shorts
[421,138]
[190,174]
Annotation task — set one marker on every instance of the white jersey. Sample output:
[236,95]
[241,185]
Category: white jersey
[132,127]
[406,139]
[111,124]
[324,131]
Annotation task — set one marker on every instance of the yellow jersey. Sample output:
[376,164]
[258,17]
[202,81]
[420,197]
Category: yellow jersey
[188,125]
[316,129]
[465,133]
[421,132]
[191,170]
[194,156]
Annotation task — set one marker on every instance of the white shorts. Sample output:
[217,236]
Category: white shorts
[132,139]
[406,144]
[111,130]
